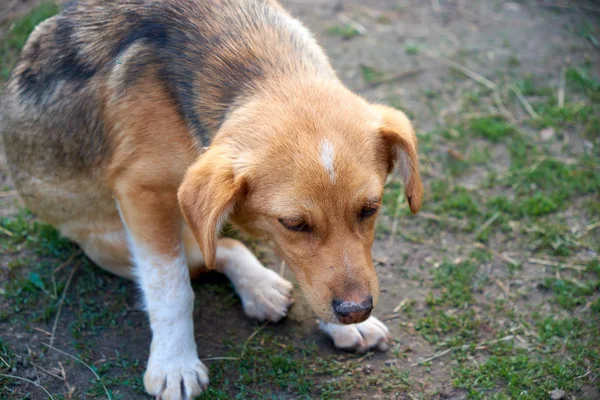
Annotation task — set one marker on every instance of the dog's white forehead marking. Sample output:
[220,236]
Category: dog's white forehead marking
[327,154]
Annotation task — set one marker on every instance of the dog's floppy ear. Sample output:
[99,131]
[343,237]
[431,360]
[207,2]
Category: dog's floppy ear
[401,145]
[207,196]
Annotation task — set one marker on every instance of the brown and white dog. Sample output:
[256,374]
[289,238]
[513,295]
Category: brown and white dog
[138,127]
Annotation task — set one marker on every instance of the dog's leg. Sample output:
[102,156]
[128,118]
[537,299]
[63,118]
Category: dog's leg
[265,295]
[361,337]
[154,226]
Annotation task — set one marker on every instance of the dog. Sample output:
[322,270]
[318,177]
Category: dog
[139,127]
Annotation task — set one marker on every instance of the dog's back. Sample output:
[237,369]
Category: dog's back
[82,74]
[204,53]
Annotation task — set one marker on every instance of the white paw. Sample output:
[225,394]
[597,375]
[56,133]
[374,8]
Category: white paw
[176,379]
[265,295]
[361,337]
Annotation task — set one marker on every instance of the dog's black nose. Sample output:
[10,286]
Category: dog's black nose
[351,312]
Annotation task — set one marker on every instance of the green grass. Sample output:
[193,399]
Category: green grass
[411,49]
[455,282]
[531,205]
[371,74]
[274,368]
[537,205]
[13,42]
[552,237]
[271,366]
[438,327]
[570,114]
[345,31]
[396,102]
[552,184]
[569,294]
[560,352]
[542,185]
[493,129]
[539,200]
[522,376]
[528,87]
[567,350]
[459,202]
[32,289]
[6,364]
[533,202]
[581,79]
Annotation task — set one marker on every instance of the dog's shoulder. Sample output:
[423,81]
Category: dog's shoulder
[76,45]
[205,54]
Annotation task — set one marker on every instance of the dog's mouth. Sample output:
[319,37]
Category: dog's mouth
[345,303]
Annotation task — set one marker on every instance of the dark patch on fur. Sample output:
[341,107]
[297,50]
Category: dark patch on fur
[159,30]
[180,50]
[40,79]
[200,52]
[145,29]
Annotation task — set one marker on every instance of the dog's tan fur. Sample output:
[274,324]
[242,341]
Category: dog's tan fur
[123,117]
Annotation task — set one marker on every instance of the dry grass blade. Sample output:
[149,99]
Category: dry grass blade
[447,220]
[82,363]
[500,104]
[526,104]
[390,317]
[4,361]
[487,223]
[392,78]
[30,353]
[363,358]
[584,375]
[282,268]
[62,301]
[528,172]
[28,381]
[396,217]
[462,69]
[260,328]
[479,115]
[400,305]
[433,357]
[497,254]
[587,230]
[67,261]
[45,332]
[9,193]
[221,358]
[6,232]
[561,89]
[480,346]
[505,288]
[560,265]
[47,372]
[360,28]
[477,78]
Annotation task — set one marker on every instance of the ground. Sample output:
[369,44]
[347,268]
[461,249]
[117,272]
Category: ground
[493,291]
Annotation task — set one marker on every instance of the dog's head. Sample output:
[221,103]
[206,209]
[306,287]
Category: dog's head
[307,172]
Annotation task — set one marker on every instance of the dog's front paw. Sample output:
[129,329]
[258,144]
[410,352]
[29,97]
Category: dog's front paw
[361,337]
[176,379]
[265,295]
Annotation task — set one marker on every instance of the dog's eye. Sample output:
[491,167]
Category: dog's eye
[367,211]
[296,225]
